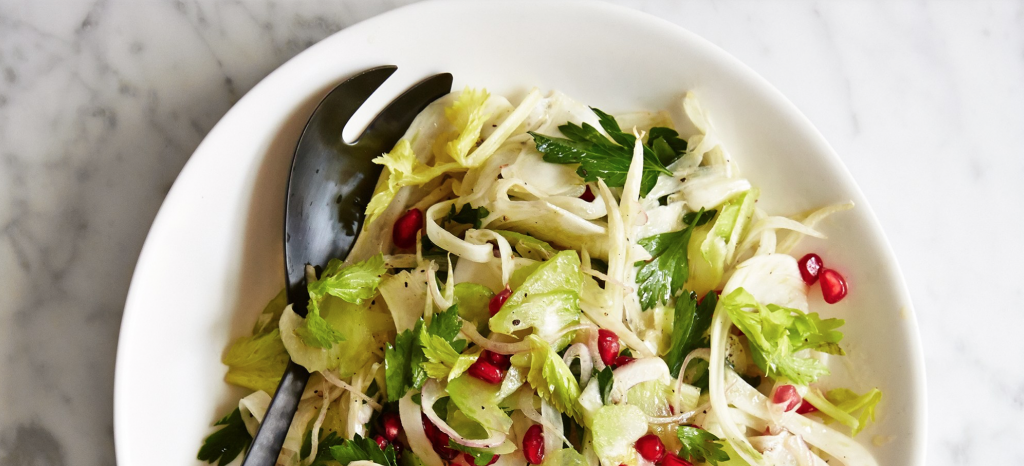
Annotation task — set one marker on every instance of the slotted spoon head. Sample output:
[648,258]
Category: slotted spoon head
[331,183]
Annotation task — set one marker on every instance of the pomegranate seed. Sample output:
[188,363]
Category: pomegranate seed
[787,395]
[607,346]
[588,195]
[381,441]
[469,459]
[805,408]
[501,361]
[391,425]
[499,300]
[833,286]
[485,371]
[623,360]
[673,460]
[810,266]
[533,444]
[650,448]
[404,231]
[438,439]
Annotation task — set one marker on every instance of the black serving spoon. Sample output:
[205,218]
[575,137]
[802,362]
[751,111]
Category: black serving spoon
[331,183]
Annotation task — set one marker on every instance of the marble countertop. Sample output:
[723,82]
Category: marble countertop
[102,102]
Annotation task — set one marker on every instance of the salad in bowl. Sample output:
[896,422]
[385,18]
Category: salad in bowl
[547,283]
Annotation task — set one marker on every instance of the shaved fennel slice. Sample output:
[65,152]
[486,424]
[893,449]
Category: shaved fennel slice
[777,223]
[547,222]
[412,423]
[570,202]
[710,188]
[553,427]
[504,249]
[638,371]
[504,130]
[771,279]
[443,301]
[581,351]
[827,439]
[812,219]
[547,179]
[732,433]
[405,293]
[252,409]
[633,216]
[451,243]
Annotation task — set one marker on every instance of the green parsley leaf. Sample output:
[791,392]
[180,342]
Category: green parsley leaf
[552,379]
[604,383]
[668,269]
[225,444]
[481,457]
[600,157]
[366,449]
[423,352]
[666,143]
[776,333]
[398,362]
[446,324]
[701,217]
[468,215]
[700,445]
[689,327]
[355,284]
[439,344]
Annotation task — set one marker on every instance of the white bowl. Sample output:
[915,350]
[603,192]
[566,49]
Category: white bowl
[214,255]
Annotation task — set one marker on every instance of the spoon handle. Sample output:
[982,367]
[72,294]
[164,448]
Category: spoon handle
[266,446]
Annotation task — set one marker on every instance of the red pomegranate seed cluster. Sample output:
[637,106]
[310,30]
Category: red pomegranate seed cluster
[439,440]
[406,227]
[533,444]
[833,285]
[501,361]
[607,346]
[650,448]
[484,370]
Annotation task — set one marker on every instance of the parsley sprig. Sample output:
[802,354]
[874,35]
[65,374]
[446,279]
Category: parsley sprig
[226,443]
[700,446]
[691,323]
[668,269]
[609,159]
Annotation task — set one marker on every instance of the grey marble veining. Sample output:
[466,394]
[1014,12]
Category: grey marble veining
[101,103]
